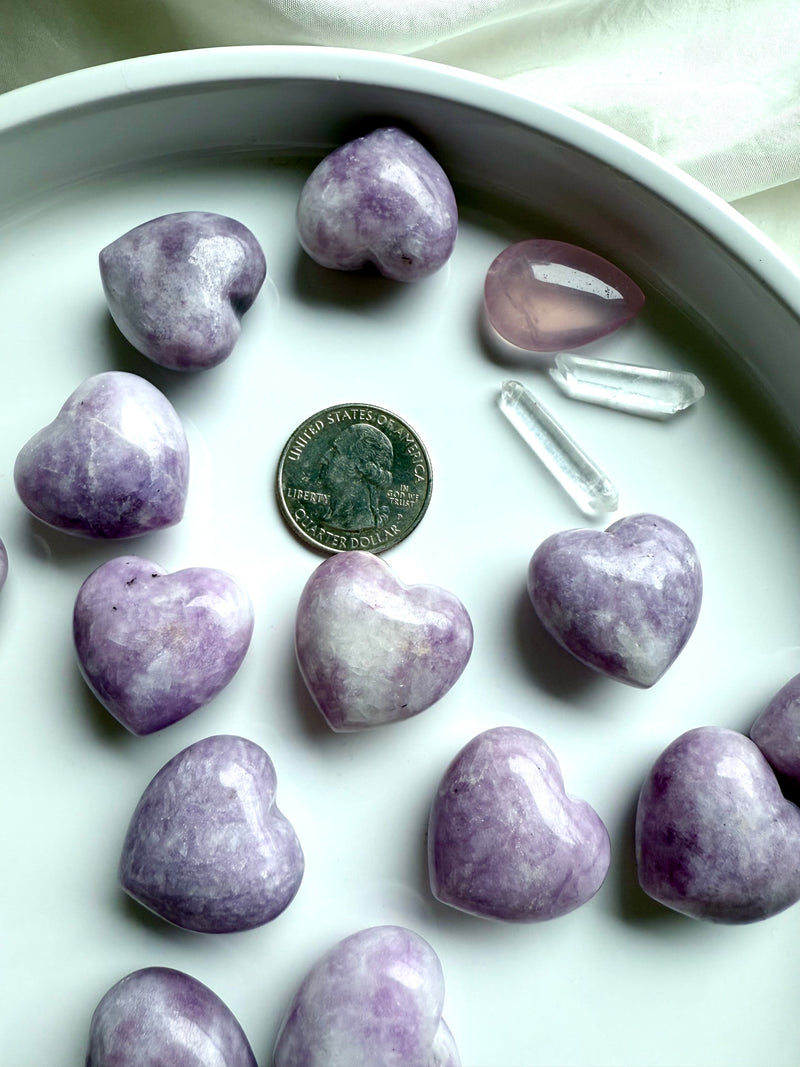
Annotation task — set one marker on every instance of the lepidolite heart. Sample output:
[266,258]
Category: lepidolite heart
[372,650]
[161,1016]
[624,601]
[776,731]
[113,463]
[152,646]
[207,848]
[177,286]
[715,837]
[505,841]
[381,199]
[374,1000]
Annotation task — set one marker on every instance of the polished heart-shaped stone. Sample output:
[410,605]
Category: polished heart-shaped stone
[207,847]
[715,837]
[548,296]
[623,601]
[776,731]
[372,650]
[114,462]
[177,286]
[159,1016]
[374,1000]
[505,841]
[3,564]
[383,200]
[152,646]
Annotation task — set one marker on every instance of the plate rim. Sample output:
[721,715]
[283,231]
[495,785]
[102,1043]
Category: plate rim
[104,84]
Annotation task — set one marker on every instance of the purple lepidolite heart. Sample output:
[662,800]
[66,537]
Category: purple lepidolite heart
[624,601]
[159,1016]
[715,837]
[505,841]
[152,646]
[207,848]
[372,650]
[374,1000]
[776,731]
[177,286]
[113,463]
[381,199]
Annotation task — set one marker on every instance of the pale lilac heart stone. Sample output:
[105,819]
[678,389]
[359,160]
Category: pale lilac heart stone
[715,837]
[374,1000]
[623,601]
[178,285]
[380,199]
[776,731]
[505,841]
[160,1017]
[152,646]
[114,462]
[373,650]
[207,847]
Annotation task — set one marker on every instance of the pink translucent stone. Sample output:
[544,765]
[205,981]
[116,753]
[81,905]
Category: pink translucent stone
[547,296]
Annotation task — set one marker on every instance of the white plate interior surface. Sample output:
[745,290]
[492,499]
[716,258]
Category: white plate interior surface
[620,981]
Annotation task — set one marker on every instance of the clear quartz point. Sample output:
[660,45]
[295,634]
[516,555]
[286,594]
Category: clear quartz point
[579,475]
[624,387]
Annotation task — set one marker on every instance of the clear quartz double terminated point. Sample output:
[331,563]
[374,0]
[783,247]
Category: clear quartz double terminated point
[576,472]
[624,387]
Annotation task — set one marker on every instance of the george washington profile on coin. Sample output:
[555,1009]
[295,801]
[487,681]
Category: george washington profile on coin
[356,470]
[354,476]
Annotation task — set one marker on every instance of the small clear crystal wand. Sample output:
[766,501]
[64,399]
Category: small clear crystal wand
[648,391]
[588,486]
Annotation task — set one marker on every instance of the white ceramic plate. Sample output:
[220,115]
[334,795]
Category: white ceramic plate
[620,981]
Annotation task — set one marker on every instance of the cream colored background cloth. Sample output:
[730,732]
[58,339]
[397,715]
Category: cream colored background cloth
[712,85]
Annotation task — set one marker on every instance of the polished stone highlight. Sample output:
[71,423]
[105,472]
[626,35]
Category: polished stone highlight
[114,463]
[623,601]
[505,841]
[715,837]
[648,391]
[177,286]
[160,1017]
[383,200]
[374,1000]
[154,647]
[372,650]
[776,731]
[572,467]
[547,296]
[207,847]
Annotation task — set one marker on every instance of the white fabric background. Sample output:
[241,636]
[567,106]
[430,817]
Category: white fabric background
[712,85]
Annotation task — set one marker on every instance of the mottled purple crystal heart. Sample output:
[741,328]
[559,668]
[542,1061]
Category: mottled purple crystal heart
[547,296]
[160,1016]
[380,199]
[372,650]
[776,731]
[374,1000]
[715,837]
[505,841]
[207,848]
[623,601]
[114,463]
[177,286]
[154,647]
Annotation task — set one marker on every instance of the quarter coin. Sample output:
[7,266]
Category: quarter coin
[354,476]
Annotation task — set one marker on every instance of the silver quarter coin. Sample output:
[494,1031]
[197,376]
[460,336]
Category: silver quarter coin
[354,476]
